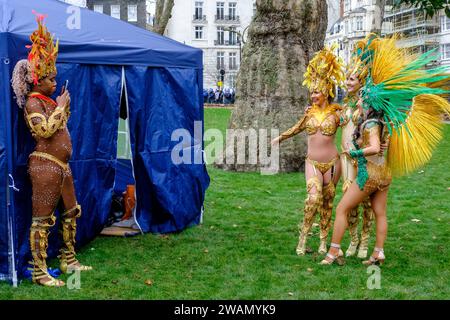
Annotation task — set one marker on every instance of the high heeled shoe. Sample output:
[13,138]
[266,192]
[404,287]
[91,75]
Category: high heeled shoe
[378,260]
[332,257]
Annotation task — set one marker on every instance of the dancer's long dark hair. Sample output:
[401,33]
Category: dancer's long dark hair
[371,114]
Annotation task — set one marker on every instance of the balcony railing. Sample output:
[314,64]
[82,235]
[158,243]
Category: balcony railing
[419,40]
[227,18]
[198,18]
[391,11]
[226,43]
[426,26]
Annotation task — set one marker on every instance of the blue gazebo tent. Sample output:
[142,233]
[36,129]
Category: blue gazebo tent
[105,60]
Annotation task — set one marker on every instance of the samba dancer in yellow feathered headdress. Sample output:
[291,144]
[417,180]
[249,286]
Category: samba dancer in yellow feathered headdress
[51,178]
[401,103]
[320,121]
[356,74]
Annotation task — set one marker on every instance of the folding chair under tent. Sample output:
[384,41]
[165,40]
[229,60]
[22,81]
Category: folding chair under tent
[106,61]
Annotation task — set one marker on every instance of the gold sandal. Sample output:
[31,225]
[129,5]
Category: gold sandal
[379,260]
[332,257]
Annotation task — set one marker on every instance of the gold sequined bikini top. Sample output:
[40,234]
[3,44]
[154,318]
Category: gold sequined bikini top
[43,126]
[326,120]
[349,113]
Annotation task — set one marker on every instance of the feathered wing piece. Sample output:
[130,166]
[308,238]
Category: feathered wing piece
[411,148]
[324,72]
[408,94]
[395,78]
[43,53]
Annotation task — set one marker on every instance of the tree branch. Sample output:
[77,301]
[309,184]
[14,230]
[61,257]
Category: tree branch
[163,13]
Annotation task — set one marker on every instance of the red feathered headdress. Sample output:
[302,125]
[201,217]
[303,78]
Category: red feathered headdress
[43,53]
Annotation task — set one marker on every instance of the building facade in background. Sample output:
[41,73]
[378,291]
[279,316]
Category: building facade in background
[418,34]
[216,27]
[131,11]
[354,22]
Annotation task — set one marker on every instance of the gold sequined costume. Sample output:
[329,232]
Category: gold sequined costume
[379,173]
[320,198]
[349,119]
[323,74]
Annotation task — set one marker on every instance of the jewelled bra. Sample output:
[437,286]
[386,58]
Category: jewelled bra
[326,120]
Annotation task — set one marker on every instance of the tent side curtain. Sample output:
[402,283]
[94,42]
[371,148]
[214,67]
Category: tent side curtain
[161,100]
[93,125]
[4,104]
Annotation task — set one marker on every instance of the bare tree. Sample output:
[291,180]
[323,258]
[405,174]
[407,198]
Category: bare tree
[163,13]
[282,38]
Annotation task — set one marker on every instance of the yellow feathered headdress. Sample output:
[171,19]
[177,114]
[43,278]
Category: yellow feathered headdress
[324,72]
[43,53]
[360,60]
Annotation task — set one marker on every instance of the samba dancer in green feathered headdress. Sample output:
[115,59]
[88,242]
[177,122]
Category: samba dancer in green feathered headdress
[399,103]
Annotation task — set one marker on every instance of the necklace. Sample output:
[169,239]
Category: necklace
[42,97]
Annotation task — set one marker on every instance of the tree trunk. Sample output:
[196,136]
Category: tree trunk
[377,21]
[163,12]
[283,37]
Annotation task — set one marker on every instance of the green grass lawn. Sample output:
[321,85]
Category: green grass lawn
[245,249]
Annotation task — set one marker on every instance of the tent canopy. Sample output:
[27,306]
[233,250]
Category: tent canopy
[93,38]
[105,60]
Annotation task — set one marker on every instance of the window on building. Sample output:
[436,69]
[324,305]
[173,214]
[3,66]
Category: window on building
[445,51]
[445,23]
[220,35]
[220,10]
[198,10]
[232,10]
[232,36]
[254,8]
[132,13]
[220,60]
[359,23]
[198,32]
[115,11]
[347,5]
[233,61]
[98,8]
